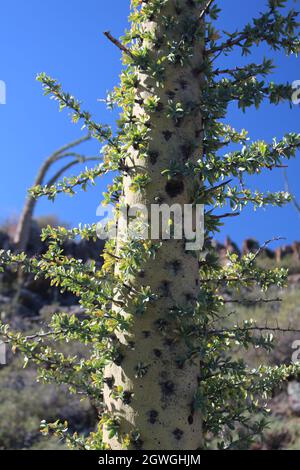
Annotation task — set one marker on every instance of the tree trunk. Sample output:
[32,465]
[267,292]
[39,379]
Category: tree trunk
[22,234]
[24,224]
[158,379]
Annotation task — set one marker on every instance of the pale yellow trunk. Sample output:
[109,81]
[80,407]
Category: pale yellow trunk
[161,402]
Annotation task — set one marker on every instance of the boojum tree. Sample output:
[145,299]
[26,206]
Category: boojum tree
[159,368]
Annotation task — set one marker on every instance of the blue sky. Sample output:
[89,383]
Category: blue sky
[65,40]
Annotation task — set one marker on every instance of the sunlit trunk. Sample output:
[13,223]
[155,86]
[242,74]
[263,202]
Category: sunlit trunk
[154,368]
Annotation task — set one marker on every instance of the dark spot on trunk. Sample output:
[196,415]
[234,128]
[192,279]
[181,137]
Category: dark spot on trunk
[157,352]
[161,324]
[153,415]
[171,94]
[167,388]
[174,266]
[127,397]
[190,419]
[159,199]
[167,135]
[158,43]
[187,150]
[180,364]
[109,381]
[141,370]
[189,297]
[153,157]
[131,344]
[177,59]
[174,187]
[178,122]
[198,133]
[169,341]
[183,84]
[142,274]
[178,434]
[146,334]
[165,288]
[119,358]
[138,444]
[196,71]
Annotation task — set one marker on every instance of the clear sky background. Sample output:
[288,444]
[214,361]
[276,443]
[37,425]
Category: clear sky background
[65,40]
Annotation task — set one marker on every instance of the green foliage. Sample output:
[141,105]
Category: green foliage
[67,185]
[24,404]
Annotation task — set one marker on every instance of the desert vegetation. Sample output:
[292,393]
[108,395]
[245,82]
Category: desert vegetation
[149,329]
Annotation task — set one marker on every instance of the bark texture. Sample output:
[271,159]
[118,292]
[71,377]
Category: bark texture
[154,370]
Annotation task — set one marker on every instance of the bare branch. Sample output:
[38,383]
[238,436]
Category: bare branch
[250,301]
[224,216]
[62,171]
[287,188]
[205,10]
[275,329]
[215,188]
[71,145]
[25,221]
[262,247]
[118,44]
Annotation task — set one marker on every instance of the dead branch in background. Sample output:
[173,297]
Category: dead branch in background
[287,188]
[22,234]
